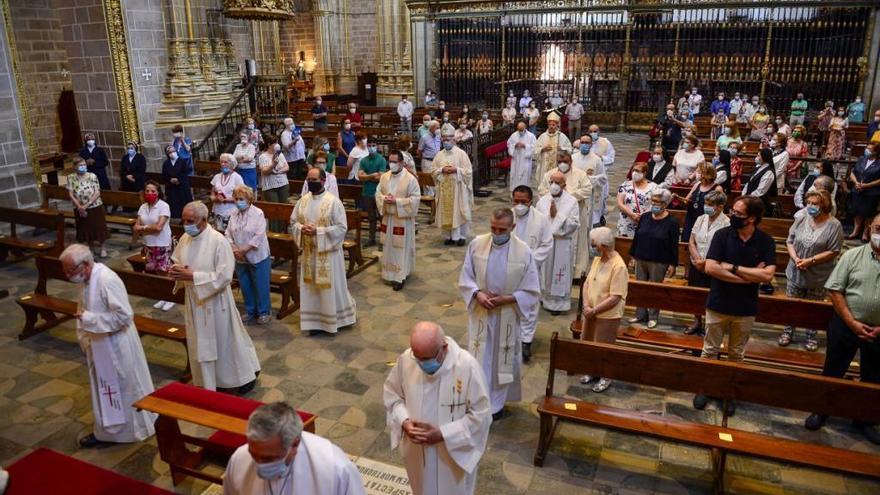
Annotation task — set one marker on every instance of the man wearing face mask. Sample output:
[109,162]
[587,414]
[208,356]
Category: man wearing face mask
[508,115]
[591,163]
[280,458]
[578,185]
[671,128]
[533,228]
[437,410]
[355,117]
[405,112]
[720,105]
[221,353]
[799,108]
[109,339]
[318,226]
[524,102]
[429,145]
[602,146]
[453,176]
[500,287]
[424,128]
[574,111]
[695,100]
[294,149]
[736,105]
[749,110]
[182,145]
[96,160]
[319,114]
[740,257]
[520,146]
[397,200]
[547,145]
[562,210]
[370,171]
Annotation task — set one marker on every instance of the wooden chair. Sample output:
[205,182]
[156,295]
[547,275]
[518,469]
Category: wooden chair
[15,243]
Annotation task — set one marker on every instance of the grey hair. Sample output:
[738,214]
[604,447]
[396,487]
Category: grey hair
[502,213]
[603,236]
[825,183]
[228,158]
[198,208]
[562,153]
[275,419]
[288,121]
[78,254]
[662,193]
[716,198]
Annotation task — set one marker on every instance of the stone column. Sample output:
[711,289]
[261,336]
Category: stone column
[422,34]
[871,86]
[395,52]
[327,24]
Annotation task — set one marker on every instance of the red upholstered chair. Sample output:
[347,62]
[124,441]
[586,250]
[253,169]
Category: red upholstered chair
[499,160]
[224,413]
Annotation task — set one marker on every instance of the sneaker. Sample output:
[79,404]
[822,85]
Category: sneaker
[159,305]
[652,324]
[264,319]
[586,379]
[167,306]
[700,401]
[635,319]
[603,385]
[815,421]
[459,242]
[448,242]
[811,345]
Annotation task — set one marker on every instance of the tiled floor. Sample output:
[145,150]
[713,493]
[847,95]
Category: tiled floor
[44,391]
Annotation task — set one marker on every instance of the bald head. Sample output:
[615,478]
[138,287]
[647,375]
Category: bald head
[558,177]
[426,339]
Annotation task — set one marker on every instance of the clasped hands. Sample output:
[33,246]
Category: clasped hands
[491,301]
[422,433]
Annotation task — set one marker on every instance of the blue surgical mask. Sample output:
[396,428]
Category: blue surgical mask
[585,148]
[868,152]
[656,209]
[131,152]
[241,204]
[812,210]
[594,251]
[447,145]
[225,170]
[192,229]
[594,135]
[430,366]
[82,169]
[814,172]
[709,210]
[272,470]
[500,239]
[326,147]
[373,149]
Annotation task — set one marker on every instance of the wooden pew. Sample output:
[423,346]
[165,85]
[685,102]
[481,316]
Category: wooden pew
[623,244]
[776,228]
[201,185]
[54,310]
[110,198]
[226,415]
[785,201]
[349,194]
[17,244]
[427,180]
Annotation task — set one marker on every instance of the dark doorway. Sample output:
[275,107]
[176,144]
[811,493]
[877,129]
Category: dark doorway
[71,136]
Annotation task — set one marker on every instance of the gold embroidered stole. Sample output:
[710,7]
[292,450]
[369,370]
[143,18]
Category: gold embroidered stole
[320,277]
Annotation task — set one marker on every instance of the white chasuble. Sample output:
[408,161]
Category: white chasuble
[325,302]
[557,269]
[520,158]
[494,336]
[398,228]
[545,160]
[221,352]
[118,372]
[455,192]
[454,399]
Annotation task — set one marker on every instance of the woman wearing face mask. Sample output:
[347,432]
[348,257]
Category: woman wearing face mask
[273,178]
[817,170]
[778,145]
[246,156]
[330,184]
[814,241]
[604,295]
[837,135]
[633,199]
[462,133]
[823,122]
[729,134]
[182,145]
[722,171]
[223,184]
[321,144]
[255,137]
[85,194]
[345,141]
[736,167]
[660,169]
[655,249]
[719,121]
[710,220]
[132,169]
[153,225]
[96,160]
[797,147]
[865,177]
[696,198]
[359,152]
[532,115]
[246,232]
[484,126]
[686,160]
[175,171]
[355,117]
[782,126]
[759,122]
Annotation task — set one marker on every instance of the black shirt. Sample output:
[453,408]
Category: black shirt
[656,240]
[738,299]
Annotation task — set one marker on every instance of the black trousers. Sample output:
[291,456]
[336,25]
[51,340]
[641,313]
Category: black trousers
[842,347]
[368,204]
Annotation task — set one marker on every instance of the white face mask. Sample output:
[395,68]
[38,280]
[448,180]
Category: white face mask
[657,158]
[875,241]
[637,176]
[555,189]
[520,209]
[564,167]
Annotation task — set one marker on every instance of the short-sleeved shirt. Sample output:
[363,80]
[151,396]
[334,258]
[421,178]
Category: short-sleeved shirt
[704,231]
[223,186]
[150,215]
[798,108]
[857,277]
[607,279]
[809,240]
[371,164]
[84,187]
[726,247]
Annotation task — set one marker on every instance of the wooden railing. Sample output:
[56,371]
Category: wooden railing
[221,137]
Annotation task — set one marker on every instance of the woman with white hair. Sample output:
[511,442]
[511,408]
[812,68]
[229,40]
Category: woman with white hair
[246,232]
[223,184]
[655,248]
[604,294]
[701,235]
[245,155]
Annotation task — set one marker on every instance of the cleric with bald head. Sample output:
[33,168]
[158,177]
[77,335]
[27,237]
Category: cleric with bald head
[437,413]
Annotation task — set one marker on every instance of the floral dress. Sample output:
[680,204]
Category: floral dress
[836,138]
[795,149]
[637,201]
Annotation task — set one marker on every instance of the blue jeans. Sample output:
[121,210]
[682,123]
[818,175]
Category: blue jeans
[254,283]
[249,176]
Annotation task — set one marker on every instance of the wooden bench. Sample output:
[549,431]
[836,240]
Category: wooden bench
[784,201]
[426,179]
[15,243]
[225,414]
[54,310]
[121,199]
[722,379]
[200,185]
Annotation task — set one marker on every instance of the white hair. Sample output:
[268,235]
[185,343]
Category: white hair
[198,208]
[662,193]
[603,236]
[228,158]
[78,254]
[288,121]
[277,419]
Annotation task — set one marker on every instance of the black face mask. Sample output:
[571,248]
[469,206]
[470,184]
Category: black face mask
[737,222]
[315,187]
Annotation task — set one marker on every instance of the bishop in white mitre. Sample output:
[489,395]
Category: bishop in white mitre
[520,147]
[437,413]
[548,145]
[579,186]
[397,201]
[118,372]
[564,214]
[454,195]
[221,353]
[318,226]
[587,160]
[500,287]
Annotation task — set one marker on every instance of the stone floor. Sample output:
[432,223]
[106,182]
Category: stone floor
[44,391]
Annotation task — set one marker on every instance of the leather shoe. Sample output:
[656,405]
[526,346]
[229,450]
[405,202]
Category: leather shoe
[448,242]
[89,441]
[700,401]
[247,387]
[527,351]
[459,243]
[396,286]
[497,416]
[815,421]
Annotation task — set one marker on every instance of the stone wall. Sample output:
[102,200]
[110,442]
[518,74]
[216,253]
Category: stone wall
[362,36]
[298,35]
[17,184]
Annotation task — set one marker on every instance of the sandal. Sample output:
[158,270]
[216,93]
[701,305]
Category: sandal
[785,338]
[812,344]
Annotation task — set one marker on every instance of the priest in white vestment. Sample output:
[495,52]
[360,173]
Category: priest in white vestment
[453,176]
[221,353]
[520,147]
[564,214]
[118,372]
[437,413]
[281,459]
[318,226]
[397,200]
[500,287]
[548,144]
[533,228]
[579,186]
[591,163]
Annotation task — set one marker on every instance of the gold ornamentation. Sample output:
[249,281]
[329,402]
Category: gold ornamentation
[260,10]
[115,22]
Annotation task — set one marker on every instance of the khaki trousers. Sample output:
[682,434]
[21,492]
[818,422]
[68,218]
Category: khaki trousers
[738,327]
